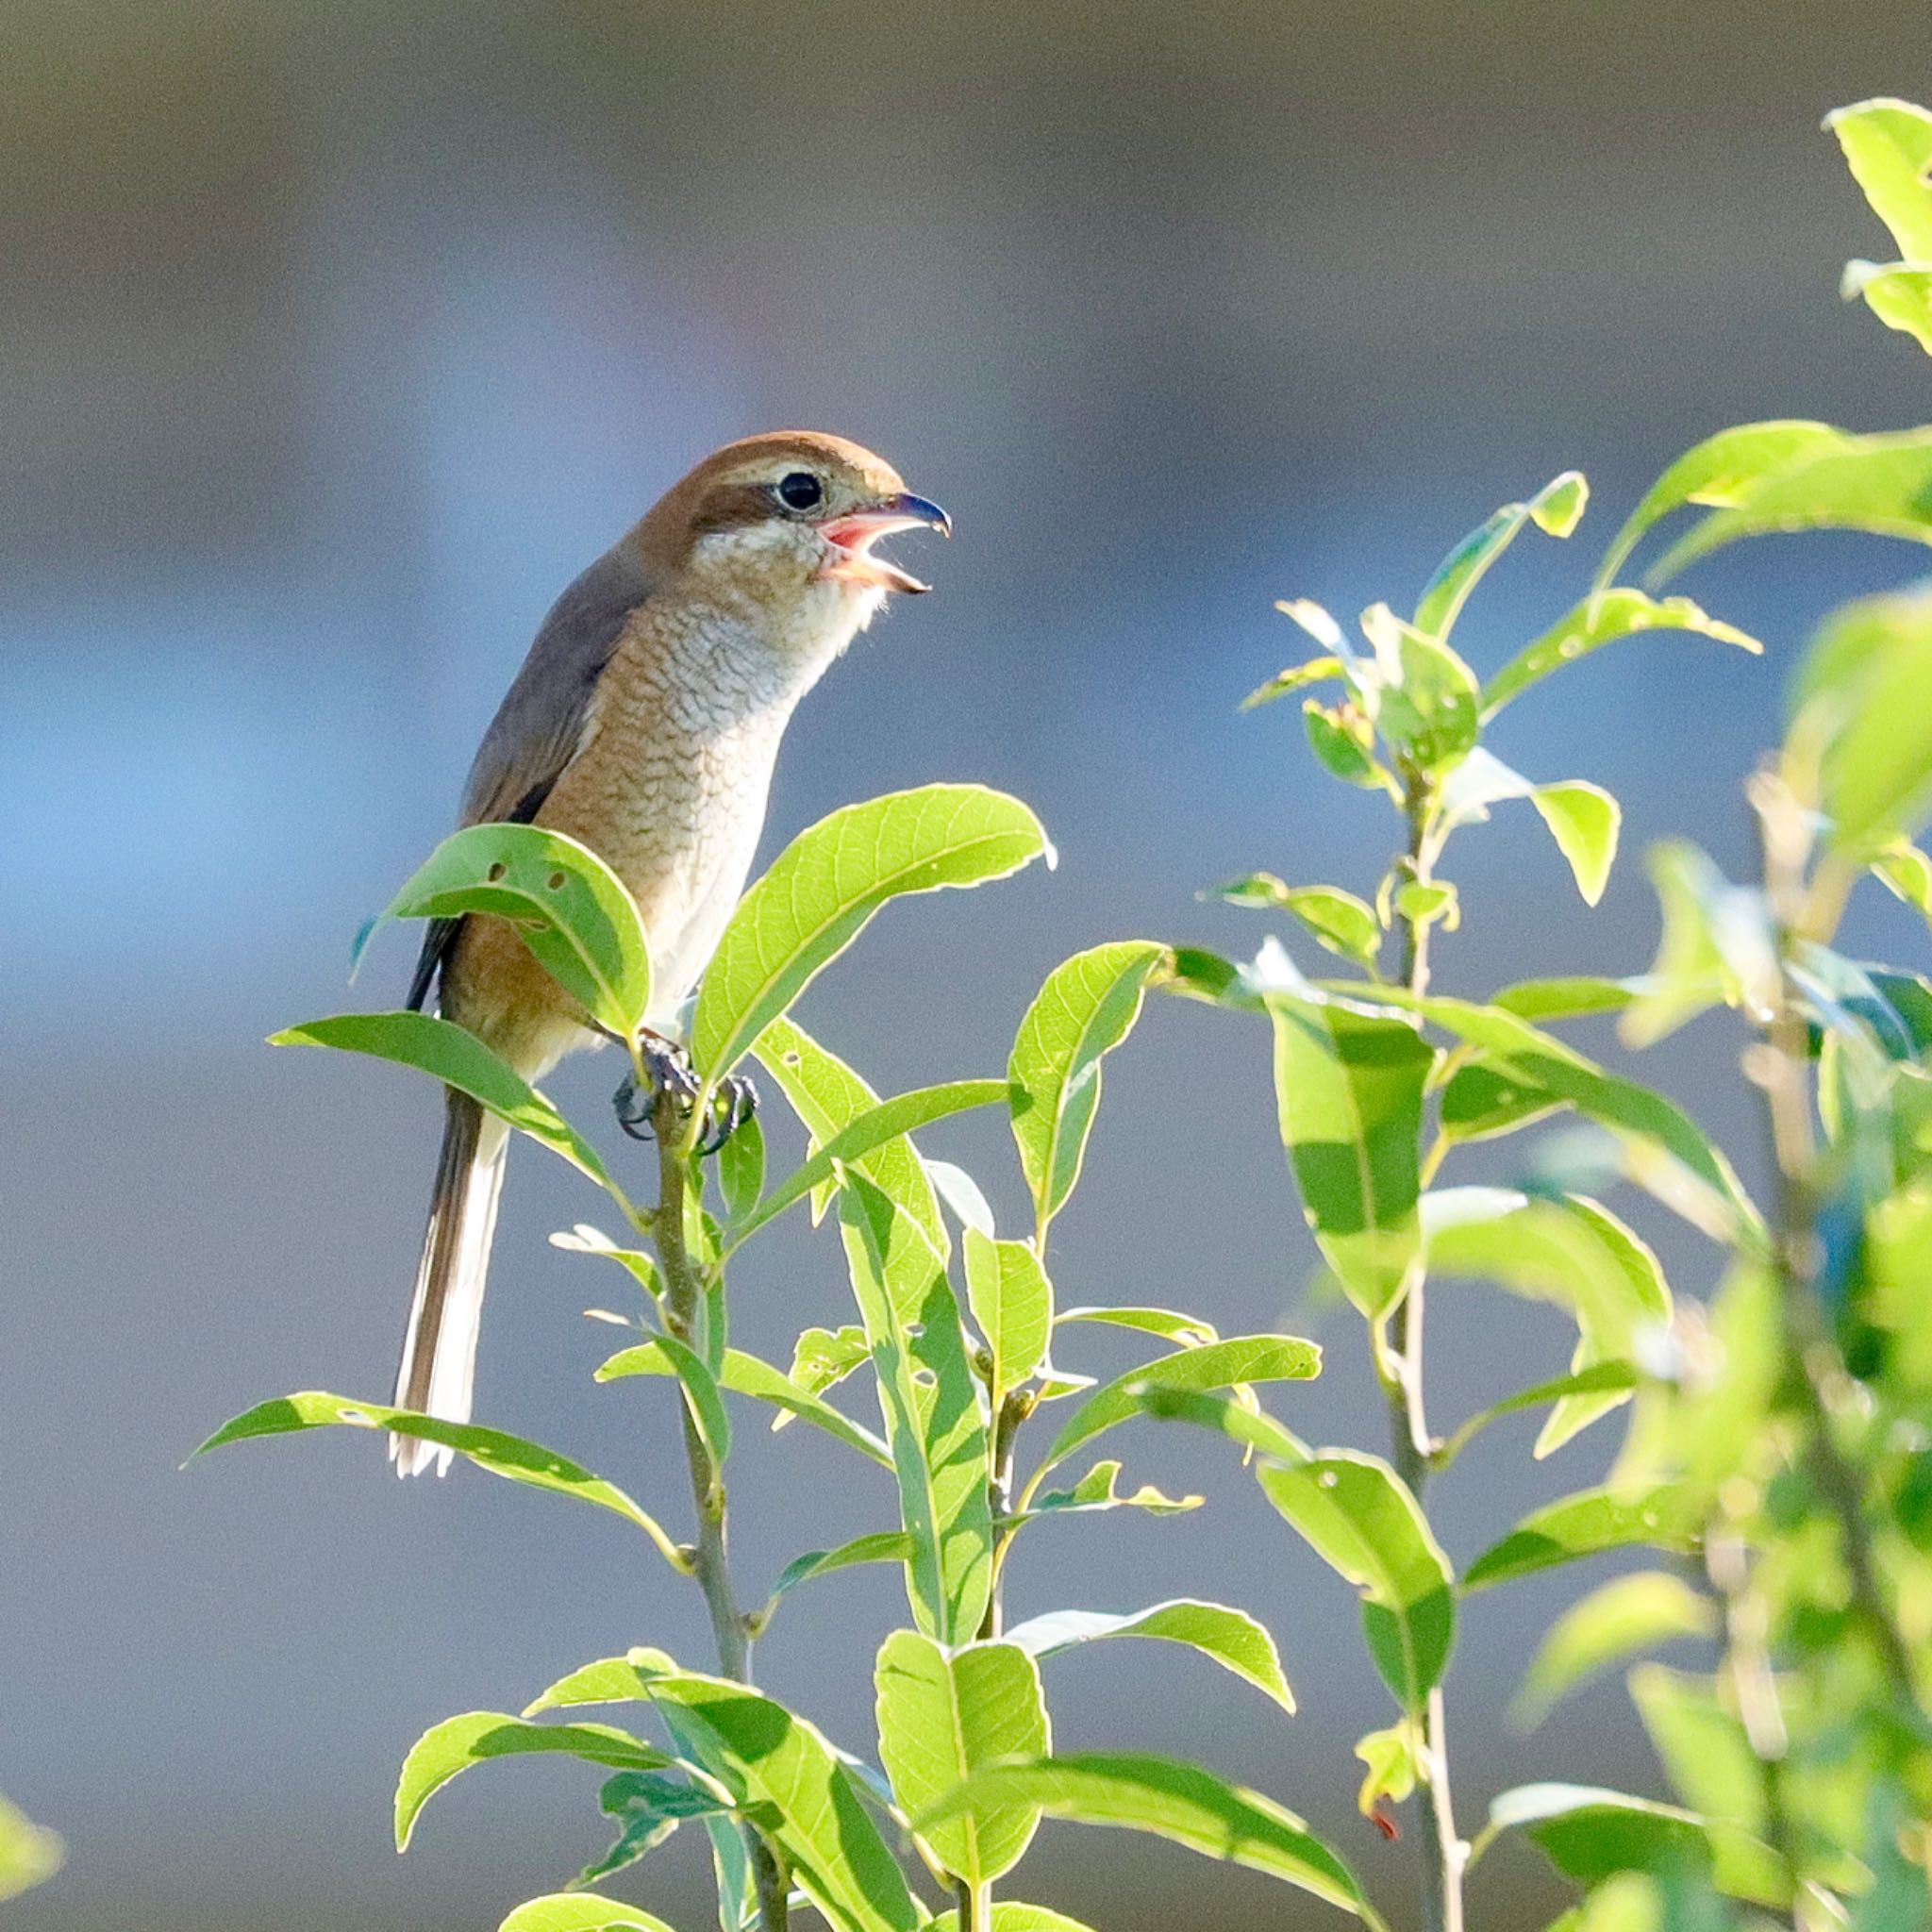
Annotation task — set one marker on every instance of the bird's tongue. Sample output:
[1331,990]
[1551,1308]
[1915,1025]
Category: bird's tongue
[851,538]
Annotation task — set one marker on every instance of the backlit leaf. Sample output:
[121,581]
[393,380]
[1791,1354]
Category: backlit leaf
[1556,508]
[1664,1518]
[1230,1637]
[1622,1618]
[1013,1302]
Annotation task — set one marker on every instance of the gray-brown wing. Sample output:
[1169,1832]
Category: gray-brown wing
[539,728]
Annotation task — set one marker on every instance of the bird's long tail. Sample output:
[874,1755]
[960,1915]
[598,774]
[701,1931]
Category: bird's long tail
[439,1365]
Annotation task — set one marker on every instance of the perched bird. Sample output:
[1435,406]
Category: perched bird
[644,723]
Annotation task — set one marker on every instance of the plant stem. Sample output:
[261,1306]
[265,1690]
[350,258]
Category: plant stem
[975,1907]
[1784,1074]
[711,1560]
[1408,1430]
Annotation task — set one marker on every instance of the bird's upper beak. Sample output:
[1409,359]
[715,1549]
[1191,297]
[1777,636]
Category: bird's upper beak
[853,535]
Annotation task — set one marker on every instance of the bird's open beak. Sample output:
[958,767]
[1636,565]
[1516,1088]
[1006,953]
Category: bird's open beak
[853,535]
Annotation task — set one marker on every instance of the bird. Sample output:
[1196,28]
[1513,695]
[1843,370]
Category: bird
[644,723]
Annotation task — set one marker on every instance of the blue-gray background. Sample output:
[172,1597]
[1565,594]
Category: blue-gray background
[334,340]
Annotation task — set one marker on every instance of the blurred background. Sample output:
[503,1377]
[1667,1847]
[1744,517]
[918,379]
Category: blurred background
[335,341]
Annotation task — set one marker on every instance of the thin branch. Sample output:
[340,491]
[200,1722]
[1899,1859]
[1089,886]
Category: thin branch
[711,1560]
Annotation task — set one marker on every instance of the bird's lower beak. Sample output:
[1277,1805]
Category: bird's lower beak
[853,535]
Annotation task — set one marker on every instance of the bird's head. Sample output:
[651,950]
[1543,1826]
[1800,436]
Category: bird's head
[784,524]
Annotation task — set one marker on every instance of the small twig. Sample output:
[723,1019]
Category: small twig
[711,1560]
[1409,1431]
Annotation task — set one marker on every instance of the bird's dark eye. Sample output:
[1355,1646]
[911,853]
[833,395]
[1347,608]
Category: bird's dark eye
[801,489]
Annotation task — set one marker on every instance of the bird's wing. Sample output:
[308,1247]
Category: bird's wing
[540,727]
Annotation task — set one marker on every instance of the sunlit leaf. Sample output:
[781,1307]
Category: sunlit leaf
[456,1058]
[1664,1518]
[1556,508]
[1569,1250]
[748,1375]
[1584,820]
[823,888]
[942,1718]
[1240,1359]
[1341,738]
[888,1120]
[1230,1637]
[1879,484]
[1098,1491]
[1013,1302]
[790,1783]
[1906,873]
[1338,920]
[880,1546]
[1359,1517]
[1296,677]
[1186,1331]
[580,1911]
[1086,1008]
[610,1680]
[649,1807]
[1899,293]
[491,1449]
[1389,1757]
[1348,1086]
[1887,147]
[1574,996]
[1605,617]
[742,1169]
[1716,944]
[29,1853]
[565,903]
[1252,1427]
[1622,1618]
[1428,706]
[827,1096]
[1718,474]
[934,1424]
[1175,1801]
[1010,1915]
[458,1742]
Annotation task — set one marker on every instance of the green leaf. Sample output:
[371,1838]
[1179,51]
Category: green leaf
[1010,1915]
[1588,1834]
[701,1396]
[1627,1615]
[1584,820]
[1700,1744]
[1230,1637]
[610,1680]
[1428,699]
[1339,737]
[1390,1757]
[456,1058]
[1872,667]
[1618,1379]
[1013,1301]
[1665,1517]
[789,1781]
[827,1096]
[1296,677]
[890,1119]
[1085,1009]
[747,1374]
[1715,945]
[941,1719]
[580,1911]
[1881,484]
[930,1401]
[1339,920]
[1574,997]
[1253,1428]
[1184,1331]
[1546,1071]
[1096,1490]
[566,904]
[1556,508]
[1570,1250]
[879,1546]
[1605,617]
[1349,1084]
[1905,872]
[1359,1517]
[458,1742]
[1899,293]
[491,1449]
[29,1853]
[1240,1359]
[823,1357]
[649,1807]
[1887,147]
[742,1170]
[1718,473]
[585,1239]
[1182,1801]
[824,887]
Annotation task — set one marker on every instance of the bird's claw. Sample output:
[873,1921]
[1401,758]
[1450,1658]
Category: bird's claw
[669,1071]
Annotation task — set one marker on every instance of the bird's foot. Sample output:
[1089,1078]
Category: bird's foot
[668,1069]
[668,1074]
[734,1103]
